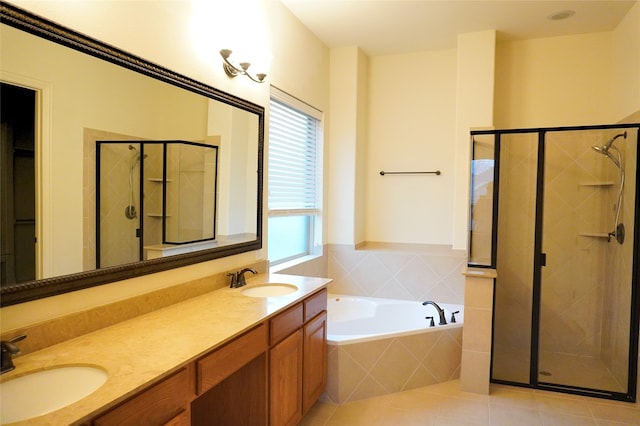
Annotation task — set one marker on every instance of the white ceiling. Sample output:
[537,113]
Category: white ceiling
[384,27]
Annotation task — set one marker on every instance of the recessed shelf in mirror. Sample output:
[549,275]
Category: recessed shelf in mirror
[597,183]
[594,234]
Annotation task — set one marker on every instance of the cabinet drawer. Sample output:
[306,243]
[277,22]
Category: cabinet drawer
[315,304]
[155,406]
[220,364]
[285,323]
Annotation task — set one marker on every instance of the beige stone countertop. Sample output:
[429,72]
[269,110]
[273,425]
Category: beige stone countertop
[138,352]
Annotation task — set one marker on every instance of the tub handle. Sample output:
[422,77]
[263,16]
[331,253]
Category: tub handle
[453,316]
[432,323]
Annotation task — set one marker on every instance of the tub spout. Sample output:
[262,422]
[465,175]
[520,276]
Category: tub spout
[443,320]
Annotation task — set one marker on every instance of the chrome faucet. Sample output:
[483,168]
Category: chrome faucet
[443,320]
[8,349]
[238,279]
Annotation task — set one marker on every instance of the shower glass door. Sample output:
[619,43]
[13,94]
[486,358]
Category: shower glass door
[118,204]
[585,273]
[512,331]
[565,246]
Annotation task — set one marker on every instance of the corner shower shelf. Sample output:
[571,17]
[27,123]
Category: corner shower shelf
[601,183]
[594,234]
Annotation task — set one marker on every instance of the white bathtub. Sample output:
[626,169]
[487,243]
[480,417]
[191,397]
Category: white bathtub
[353,319]
[379,346]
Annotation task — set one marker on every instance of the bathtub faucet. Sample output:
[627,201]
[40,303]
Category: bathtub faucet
[443,320]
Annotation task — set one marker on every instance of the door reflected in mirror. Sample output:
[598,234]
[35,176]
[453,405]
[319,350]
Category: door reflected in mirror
[17,184]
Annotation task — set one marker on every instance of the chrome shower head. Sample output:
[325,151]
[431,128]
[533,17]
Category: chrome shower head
[604,149]
[605,152]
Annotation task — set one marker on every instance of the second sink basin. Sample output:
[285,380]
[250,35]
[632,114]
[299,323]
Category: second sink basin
[42,392]
[269,290]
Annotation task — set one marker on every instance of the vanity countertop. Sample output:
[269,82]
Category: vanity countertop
[138,352]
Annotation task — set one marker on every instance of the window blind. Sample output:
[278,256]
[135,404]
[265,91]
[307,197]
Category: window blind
[293,159]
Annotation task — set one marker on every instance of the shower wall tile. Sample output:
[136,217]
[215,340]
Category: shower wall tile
[121,247]
[578,184]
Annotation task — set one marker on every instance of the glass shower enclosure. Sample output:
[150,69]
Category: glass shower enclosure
[153,194]
[555,212]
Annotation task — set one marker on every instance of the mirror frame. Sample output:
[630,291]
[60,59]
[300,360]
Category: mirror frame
[37,289]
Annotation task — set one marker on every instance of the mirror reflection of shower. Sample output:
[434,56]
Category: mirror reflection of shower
[130,211]
[613,153]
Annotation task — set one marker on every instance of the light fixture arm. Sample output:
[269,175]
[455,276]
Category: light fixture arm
[232,71]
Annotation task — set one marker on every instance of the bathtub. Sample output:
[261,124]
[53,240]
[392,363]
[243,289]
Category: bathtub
[380,346]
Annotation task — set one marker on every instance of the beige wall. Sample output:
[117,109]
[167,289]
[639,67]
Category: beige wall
[558,81]
[343,134]
[411,127]
[626,65]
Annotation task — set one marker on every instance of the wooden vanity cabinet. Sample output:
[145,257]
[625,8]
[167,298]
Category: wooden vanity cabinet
[314,361]
[297,360]
[166,402]
[270,375]
[231,382]
[285,367]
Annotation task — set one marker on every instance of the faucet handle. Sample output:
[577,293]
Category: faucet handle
[234,279]
[8,349]
[432,323]
[453,316]
[10,345]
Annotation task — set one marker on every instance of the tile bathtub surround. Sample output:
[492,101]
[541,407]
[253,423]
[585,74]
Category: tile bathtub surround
[367,369]
[398,271]
[445,404]
[67,327]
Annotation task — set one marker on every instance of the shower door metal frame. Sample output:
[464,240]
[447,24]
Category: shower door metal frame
[540,260]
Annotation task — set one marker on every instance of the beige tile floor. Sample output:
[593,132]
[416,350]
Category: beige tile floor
[445,405]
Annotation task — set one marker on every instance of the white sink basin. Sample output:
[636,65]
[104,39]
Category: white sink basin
[42,392]
[269,290]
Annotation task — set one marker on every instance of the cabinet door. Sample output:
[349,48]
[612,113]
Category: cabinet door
[285,384]
[315,360]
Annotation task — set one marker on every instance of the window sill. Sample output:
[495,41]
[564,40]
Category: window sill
[295,262]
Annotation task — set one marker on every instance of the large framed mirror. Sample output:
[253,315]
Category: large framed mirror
[77,93]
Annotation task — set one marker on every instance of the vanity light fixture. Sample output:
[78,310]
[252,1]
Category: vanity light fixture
[232,70]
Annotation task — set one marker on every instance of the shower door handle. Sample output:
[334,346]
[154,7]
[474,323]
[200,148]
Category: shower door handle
[543,259]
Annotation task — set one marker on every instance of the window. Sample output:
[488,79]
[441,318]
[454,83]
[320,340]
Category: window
[294,178]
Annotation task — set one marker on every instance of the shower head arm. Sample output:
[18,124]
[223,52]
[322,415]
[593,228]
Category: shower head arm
[607,146]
